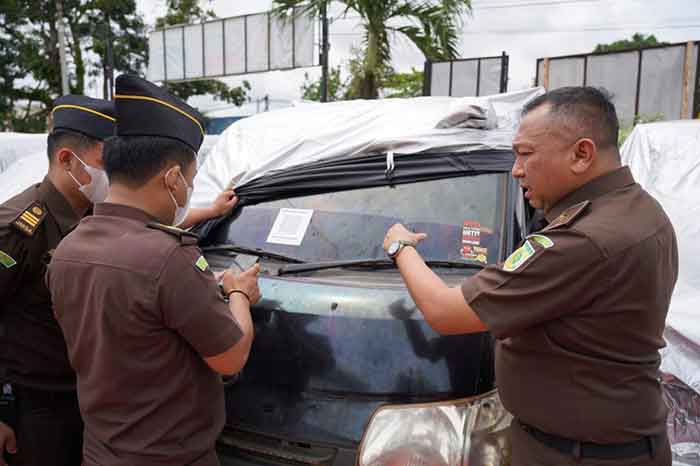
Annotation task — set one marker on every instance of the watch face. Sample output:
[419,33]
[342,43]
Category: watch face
[393,248]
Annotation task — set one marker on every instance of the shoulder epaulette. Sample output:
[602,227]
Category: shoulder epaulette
[186,237]
[30,218]
[568,216]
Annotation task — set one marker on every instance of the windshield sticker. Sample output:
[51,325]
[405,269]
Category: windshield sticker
[471,233]
[542,240]
[519,256]
[475,253]
[290,226]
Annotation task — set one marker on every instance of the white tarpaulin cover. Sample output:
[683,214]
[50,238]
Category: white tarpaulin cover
[665,160]
[278,140]
[23,161]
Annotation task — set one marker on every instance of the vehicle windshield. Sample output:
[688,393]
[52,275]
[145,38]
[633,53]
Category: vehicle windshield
[463,218]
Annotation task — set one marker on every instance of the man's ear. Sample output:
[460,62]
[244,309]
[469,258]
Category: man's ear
[170,176]
[585,153]
[63,158]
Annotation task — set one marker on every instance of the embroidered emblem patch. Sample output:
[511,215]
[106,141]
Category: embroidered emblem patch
[519,256]
[7,260]
[202,264]
[542,240]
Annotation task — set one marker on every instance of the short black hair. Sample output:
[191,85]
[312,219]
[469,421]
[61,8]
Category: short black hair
[75,141]
[133,160]
[587,108]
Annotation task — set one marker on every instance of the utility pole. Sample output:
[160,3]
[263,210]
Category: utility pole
[108,61]
[62,46]
[324,51]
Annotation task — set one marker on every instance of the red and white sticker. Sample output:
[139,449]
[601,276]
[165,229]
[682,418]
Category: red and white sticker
[471,233]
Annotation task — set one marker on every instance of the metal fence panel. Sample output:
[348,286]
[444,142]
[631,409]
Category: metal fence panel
[257,43]
[661,86]
[440,79]
[464,74]
[174,54]
[566,72]
[617,73]
[214,44]
[303,41]
[194,58]
[156,68]
[281,43]
[234,32]
[490,76]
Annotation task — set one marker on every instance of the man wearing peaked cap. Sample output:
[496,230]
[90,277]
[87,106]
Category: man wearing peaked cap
[38,383]
[147,328]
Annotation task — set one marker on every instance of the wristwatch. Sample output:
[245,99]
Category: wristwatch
[396,246]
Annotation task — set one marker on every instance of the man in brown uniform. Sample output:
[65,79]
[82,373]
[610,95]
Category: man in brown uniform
[579,310]
[146,326]
[39,398]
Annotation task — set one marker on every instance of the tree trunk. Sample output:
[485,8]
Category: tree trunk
[77,53]
[368,88]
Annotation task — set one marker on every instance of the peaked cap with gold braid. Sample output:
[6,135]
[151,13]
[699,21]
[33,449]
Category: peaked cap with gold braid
[144,109]
[91,117]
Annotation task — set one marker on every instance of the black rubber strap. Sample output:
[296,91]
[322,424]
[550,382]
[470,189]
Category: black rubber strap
[643,446]
[228,295]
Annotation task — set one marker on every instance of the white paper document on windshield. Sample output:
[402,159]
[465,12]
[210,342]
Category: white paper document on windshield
[290,226]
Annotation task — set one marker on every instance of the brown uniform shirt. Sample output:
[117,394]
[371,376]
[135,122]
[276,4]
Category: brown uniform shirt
[32,350]
[579,313]
[139,313]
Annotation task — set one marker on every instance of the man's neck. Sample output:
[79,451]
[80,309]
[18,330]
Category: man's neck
[141,199]
[69,190]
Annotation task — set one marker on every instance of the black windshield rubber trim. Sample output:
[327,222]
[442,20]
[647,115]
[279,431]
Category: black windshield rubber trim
[366,263]
[252,252]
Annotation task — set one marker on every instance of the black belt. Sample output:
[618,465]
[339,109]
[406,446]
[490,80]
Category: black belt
[643,446]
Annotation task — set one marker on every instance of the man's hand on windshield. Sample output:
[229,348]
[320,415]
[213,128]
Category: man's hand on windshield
[399,232]
[247,282]
[222,205]
[8,442]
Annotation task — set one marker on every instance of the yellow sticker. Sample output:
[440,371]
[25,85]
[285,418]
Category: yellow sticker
[202,264]
[7,260]
[542,240]
[519,256]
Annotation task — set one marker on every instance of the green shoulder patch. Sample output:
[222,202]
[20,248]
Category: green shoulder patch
[519,256]
[542,240]
[202,264]
[7,260]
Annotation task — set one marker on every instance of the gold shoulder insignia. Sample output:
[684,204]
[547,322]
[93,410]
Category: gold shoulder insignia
[568,216]
[30,218]
[186,237]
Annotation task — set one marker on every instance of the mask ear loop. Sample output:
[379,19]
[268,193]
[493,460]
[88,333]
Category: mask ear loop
[71,174]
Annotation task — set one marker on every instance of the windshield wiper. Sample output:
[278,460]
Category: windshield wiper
[253,252]
[368,263]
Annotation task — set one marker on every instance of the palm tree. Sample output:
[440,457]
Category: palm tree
[433,26]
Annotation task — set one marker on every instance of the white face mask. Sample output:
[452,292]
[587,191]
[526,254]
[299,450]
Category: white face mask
[96,190]
[181,212]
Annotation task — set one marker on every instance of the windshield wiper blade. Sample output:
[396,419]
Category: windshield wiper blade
[253,252]
[367,263]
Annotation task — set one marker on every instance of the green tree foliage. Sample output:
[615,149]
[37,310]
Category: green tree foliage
[188,11]
[311,90]
[391,83]
[433,26]
[30,76]
[638,41]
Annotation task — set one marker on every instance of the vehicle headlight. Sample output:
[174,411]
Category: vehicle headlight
[471,431]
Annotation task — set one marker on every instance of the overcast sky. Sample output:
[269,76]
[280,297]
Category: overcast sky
[525,29]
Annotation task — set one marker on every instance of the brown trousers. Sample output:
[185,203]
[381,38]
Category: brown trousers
[528,451]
